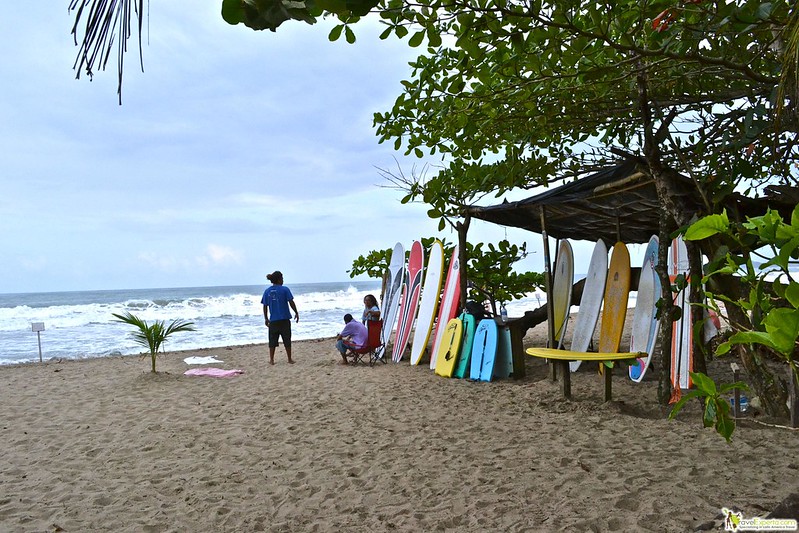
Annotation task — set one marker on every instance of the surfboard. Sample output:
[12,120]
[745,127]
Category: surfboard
[617,291]
[431,290]
[448,307]
[469,325]
[410,300]
[563,279]
[644,328]
[391,300]
[447,356]
[681,338]
[503,364]
[590,301]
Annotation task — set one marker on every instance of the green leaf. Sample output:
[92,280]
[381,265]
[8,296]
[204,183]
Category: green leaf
[725,426]
[335,33]
[710,412]
[416,39]
[386,33]
[349,35]
[707,226]
[792,293]
[704,384]
[333,6]
[232,11]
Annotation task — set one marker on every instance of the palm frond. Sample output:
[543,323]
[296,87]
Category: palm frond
[106,21]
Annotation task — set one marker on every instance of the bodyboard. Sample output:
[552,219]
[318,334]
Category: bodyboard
[469,325]
[448,307]
[645,322]
[431,290]
[448,351]
[484,350]
[410,300]
[503,366]
[590,302]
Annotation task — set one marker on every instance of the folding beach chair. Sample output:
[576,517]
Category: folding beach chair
[373,345]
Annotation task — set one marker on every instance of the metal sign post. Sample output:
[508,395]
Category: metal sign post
[38,327]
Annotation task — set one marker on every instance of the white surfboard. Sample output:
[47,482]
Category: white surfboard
[681,338]
[431,290]
[644,327]
[448,307]
[590,302]
[396,273]
[562,290]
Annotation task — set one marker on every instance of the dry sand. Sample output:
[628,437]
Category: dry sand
[104,445]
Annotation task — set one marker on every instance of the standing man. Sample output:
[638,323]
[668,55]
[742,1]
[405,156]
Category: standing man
[276,301]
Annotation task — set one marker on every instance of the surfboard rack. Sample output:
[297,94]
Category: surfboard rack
[562,358]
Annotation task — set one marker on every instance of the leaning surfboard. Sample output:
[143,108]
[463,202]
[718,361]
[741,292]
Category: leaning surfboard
[562,290]
[448,307]
[391,300]
[503,365]
[590,301]
[469,325]
[645,322]
[447,356]
[617,292]
[431,289]
[681,338]
[410,300]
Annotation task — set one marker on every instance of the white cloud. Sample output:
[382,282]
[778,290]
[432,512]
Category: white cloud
[223,255]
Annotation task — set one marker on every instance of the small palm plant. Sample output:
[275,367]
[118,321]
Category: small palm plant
[152,336]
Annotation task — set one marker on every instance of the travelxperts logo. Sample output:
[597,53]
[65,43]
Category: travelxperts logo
[734,521]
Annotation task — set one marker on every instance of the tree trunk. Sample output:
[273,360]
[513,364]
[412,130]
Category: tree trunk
[771,390]
[463,230]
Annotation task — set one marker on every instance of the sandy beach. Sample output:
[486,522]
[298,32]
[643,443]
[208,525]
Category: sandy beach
[104,445]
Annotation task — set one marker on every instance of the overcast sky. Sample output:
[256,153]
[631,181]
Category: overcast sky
[234,154]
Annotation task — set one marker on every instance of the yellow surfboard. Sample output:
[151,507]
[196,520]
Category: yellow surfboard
[449,348]
[617,291]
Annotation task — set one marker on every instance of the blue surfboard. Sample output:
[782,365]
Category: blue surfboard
[469,325]
[484,350]
[503,367]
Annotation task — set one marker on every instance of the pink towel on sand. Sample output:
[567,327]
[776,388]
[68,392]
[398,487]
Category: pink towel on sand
[213,372]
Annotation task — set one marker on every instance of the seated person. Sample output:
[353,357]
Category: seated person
[354,335]
[370,309]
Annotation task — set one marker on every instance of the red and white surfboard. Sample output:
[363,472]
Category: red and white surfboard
[410,300]
[449,304]
[681,332]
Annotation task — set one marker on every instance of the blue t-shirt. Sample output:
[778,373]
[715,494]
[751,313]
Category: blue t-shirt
[277,297]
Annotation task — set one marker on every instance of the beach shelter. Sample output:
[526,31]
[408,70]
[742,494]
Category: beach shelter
[618,203]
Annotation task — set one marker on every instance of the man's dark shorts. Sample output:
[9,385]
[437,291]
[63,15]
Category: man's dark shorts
[280,328]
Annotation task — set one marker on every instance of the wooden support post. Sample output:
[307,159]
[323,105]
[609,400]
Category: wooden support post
[736,404]
[548,280]
[608,375]
[794,398]
[567,379]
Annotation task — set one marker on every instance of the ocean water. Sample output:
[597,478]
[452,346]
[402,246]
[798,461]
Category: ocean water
[80,325]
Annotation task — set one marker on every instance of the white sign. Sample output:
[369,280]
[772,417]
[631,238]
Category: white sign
[37,326]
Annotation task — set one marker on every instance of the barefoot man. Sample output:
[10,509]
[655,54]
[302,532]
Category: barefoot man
[276,300]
